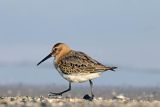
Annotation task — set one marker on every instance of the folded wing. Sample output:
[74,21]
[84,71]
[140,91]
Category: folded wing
[79,62]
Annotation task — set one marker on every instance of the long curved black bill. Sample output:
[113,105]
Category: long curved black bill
[47,57]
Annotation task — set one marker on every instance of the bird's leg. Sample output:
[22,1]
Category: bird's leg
[91,85]
[87,97]
[60,93]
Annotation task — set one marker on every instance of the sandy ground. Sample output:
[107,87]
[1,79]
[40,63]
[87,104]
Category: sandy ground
[36,96]
[25,101]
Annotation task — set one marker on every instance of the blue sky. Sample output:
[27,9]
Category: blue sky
[115,32]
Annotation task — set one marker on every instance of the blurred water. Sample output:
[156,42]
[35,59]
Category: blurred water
[48,75]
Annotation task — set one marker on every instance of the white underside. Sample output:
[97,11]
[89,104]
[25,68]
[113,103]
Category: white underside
[78,78]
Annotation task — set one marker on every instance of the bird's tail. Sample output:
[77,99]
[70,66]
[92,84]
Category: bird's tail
[111,68]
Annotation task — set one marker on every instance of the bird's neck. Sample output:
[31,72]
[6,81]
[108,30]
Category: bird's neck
[60,55]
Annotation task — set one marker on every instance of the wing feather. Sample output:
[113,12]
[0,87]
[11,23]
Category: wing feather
[79,62]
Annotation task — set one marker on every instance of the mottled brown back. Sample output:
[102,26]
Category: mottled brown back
[79,62]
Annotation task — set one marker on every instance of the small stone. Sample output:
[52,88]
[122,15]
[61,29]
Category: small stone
[121,98]
[100,98]
[33,99]
[4,102]
[24,100]
[12,99]
[43,103]
[1,97]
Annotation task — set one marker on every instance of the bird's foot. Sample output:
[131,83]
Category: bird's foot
[89,98]
[55,95]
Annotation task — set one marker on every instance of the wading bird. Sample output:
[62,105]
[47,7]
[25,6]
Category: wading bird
[75,66]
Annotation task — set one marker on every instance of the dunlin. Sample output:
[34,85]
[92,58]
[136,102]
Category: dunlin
[75,66]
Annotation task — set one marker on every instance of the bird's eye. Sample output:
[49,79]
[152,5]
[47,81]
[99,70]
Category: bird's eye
[55,49]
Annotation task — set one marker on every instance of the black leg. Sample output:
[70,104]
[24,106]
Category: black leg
[60,93]
[91,86]
[87,97]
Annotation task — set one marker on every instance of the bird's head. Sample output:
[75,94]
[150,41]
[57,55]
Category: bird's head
[58,50]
